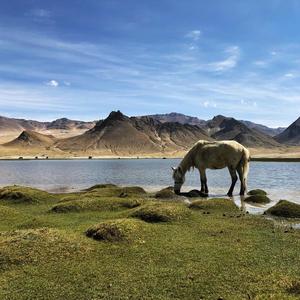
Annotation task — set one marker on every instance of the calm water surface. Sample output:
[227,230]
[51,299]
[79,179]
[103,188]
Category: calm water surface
[280,179]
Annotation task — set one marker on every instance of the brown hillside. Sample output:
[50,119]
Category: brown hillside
[31,139]
[119,134]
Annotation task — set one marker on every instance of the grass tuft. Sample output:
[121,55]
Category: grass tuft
[259,199]
[166,193]
[215,205]
[257,192]
[285,209]
[95,204]
[18,194]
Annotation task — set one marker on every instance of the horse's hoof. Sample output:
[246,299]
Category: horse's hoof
[229,194]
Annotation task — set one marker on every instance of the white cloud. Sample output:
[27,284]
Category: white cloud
[40,13]
[53,83]
[194,35]
[260,63]
[228,63]
[209,104]
[273,53]
[289,75]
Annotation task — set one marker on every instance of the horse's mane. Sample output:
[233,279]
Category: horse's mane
[188,161]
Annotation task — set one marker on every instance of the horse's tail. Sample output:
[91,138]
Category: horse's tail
[244,164]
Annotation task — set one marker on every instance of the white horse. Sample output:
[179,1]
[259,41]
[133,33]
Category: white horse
[214,155]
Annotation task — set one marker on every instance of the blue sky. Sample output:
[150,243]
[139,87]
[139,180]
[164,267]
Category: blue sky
[83,58]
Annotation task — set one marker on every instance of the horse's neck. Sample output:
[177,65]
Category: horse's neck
[187,162]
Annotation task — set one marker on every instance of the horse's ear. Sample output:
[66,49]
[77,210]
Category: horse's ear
[173,168]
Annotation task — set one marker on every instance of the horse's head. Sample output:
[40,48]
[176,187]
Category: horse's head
[179,179]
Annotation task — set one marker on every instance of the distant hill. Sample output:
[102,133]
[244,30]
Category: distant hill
[290,135]
[184,119]
[264,129]
[10,128]
[224,128]
[32,139]
[179,118]
[120,134]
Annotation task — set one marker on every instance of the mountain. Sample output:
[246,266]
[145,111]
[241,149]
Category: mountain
[33,139]
[264,129]
[120,134]
[223,128]
[290,135]
[66,124]
[179,118]
[10,128]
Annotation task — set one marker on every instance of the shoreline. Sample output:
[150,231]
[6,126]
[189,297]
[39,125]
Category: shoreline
[263,159]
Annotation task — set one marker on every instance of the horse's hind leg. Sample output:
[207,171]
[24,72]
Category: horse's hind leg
[234,178]
[242,180]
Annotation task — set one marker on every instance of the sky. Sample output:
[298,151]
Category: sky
[82,59]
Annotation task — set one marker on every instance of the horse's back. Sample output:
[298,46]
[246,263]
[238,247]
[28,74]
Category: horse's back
[219,154]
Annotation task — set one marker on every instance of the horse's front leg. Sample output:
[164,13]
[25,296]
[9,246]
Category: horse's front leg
[234,178]
[203,179]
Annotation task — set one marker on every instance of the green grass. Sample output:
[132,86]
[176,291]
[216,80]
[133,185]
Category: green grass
[223,254]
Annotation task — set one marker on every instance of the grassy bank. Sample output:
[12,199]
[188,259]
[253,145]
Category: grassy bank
[115,243]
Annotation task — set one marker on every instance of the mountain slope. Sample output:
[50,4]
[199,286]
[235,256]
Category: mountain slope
[223,128]
[263,129]
[290,135]
[119,134]
[33,139]
[179,118]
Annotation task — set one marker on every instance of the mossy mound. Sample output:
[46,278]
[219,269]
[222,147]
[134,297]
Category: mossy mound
[19,194]
[285,209]
[119,230]
[257,192]
[161,212]
[215,204]
[259,199]
[115,191]
[166,193]
[15,196]
[36,246]
[101,186]
[95,204]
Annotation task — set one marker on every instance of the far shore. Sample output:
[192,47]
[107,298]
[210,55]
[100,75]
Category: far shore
[280,154]
[22,158]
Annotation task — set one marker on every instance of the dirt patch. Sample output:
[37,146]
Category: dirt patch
[119,230]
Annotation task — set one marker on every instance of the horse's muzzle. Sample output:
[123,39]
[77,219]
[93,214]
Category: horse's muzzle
[176,191]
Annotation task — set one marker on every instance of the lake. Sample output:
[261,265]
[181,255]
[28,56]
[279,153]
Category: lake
[280,179]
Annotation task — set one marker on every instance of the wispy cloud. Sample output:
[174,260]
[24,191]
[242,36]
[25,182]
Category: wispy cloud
[106,77]
[230,62]
[40,13]
[194,35]
[53,83]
